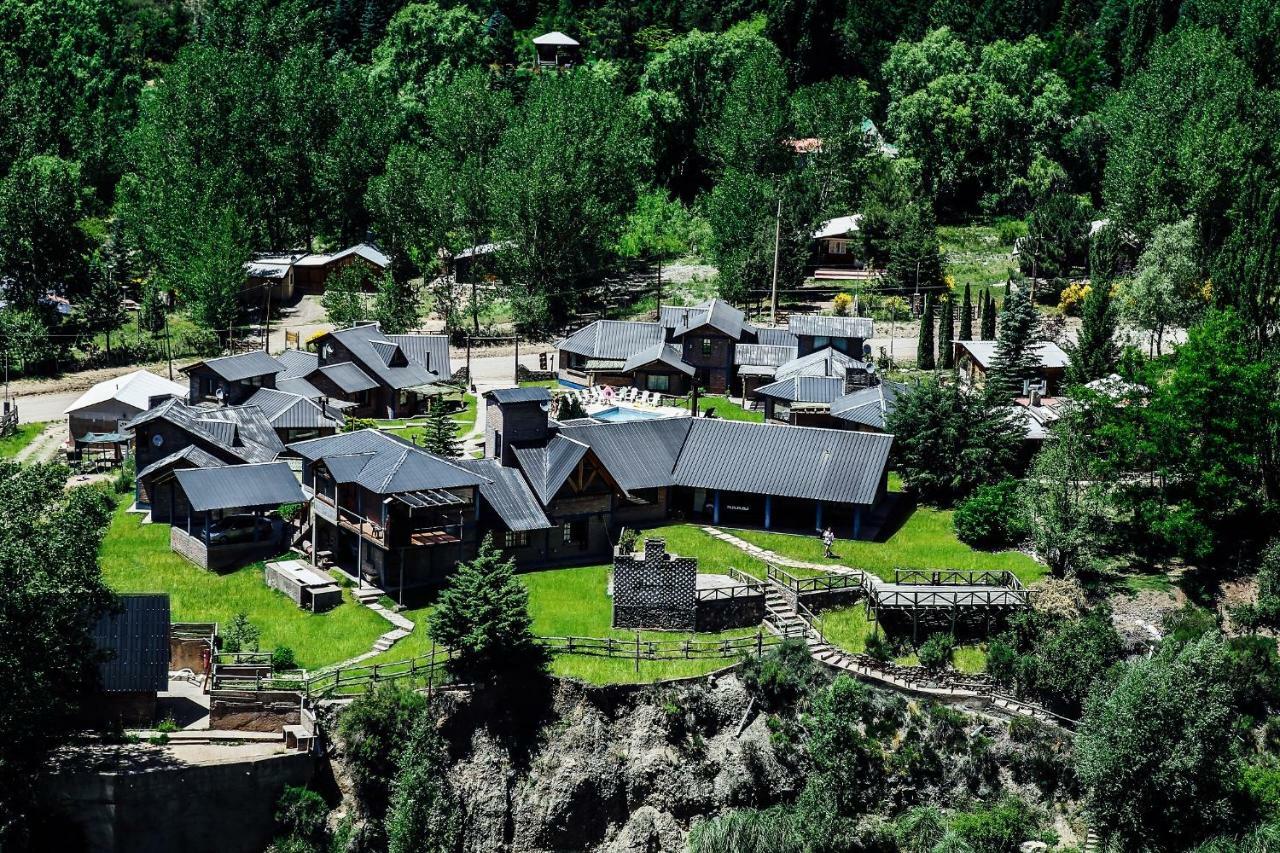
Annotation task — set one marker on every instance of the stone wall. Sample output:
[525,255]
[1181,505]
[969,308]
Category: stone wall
[825,599]
[721,614]
[222,556]
[187,653]
[655,590]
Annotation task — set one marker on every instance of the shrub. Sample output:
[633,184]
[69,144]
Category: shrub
[300,814]
[878,646]
[627,541]
[990,518]
[288,512]
[935,653]
[168,724]
[196,341]
[783,675]
[241,635]
[282,659]
[374,729]
[842,305]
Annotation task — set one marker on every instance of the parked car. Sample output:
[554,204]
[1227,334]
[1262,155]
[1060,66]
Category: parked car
[235,529]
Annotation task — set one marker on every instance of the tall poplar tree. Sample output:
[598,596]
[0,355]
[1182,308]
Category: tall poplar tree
[946,325]
[966,316]
[924,349]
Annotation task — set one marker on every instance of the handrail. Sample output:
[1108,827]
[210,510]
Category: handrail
[958,577]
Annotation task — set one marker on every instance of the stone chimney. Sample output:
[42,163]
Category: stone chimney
[519,423]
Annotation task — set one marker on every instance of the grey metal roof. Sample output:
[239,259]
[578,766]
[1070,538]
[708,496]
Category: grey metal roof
[508,494]
[663,354]
[869,406]
[831,327]
[775,336]
[430,351]
[241,431]
[191,455]
[613,339]
[297,364]
[716,313]
[764,370]
[304,388]
[804,389]
[1048,355]
[237,486]
[350,378]
[763,354]
[528,394]
[638,454]
[137,641]
[787,461]
[245,365]
[292,411]
[394,466]
[360,341]
[346,467]
[823,362]
[548,466]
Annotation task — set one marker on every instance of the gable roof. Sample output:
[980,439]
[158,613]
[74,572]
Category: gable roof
[638,454]
[348,377]
[241,431]
[360,342]
[285,410]
[831,327]
[133,389]
[775,336]
[617,340]
[869,406]
[364,250]
[716,313]
[238,486]
[430,351]
[1049,354]
[297,363]
[823,362]
[384,464]
[763,355]
[245,365]
[663,354]
[192,455]
[547,466]
[788,461]
[555,37]
[508,494]
[839,226]
[804,389]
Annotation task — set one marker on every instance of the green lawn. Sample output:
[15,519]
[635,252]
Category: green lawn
[11,444]
[847,628]
[414,429]
[714,557]
[725,408]
[136,558]
[978,256]
[925,540]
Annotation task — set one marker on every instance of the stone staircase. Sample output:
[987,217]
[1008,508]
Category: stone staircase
[780,617]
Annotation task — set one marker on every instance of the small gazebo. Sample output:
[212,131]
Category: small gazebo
[555,50]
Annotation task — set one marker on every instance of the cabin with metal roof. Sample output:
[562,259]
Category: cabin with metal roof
[290,274]
[382,376]
[295,417]
[112,402]
[974,360]
[386,511]
[232,379]
[223,517]
[867,409]
[133,638]
[555,50]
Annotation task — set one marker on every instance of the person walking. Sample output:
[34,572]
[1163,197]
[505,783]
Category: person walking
[828,539]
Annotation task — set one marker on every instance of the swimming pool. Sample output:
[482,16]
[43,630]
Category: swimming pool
[615,414]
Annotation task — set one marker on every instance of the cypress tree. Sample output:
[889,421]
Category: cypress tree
[441,434]
[989,318]
[946,323]
[966,316]
[1095,352]
[924,349]
[1015,358]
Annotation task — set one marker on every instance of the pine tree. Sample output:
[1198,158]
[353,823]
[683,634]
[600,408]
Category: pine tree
[988,330]
[946,323]
[483,617]
[441,435]
[924,350]
[1095,352]
[1015,359]
[424,815]
[966,316]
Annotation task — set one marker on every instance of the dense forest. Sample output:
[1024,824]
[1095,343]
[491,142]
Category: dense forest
[154,147]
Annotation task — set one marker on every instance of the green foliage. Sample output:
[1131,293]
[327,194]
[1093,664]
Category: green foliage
[1000,827]
[946,330]
[240,635]
[483,615]
[1095,352]
[775,830]
[1015,359]
[300,815]
[282,659]
[375,729]
[441,433]
[1157,753]
[568,407]
[915,256]
[783,676]
[151,310]
[1058,660]
[41,248]
[924,345]
[52,597]
[990,518]
[425,814]
[935,652]
[343,298]
[848,761]
[395,305]
[949,441]
[1057,236]
[1166,289]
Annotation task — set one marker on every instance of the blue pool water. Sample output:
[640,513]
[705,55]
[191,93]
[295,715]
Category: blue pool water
[620,413]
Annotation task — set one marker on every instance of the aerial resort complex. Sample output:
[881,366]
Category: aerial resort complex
[566,427]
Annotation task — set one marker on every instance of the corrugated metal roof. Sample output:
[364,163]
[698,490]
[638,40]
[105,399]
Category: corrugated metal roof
[239,486]
[663,354]
[869,406]
[775,336]
[839,226]
[613,339]
[804,389]
[763,355]
[245,365]
[508,494]
[242,431]
[638,454]
[191,455]
[831,327]
[547,467]
[360,340]
[395,465]
[346,468]
[137,641]
[291,411]
[350,378]
[824,362]
[297,364]
[1049,355]
[430,351]
[364,250]
[133,389]
[527,394]
[716,313]
[787,461]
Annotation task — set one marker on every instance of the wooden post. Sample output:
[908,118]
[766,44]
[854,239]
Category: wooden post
[759,643]
[637,651]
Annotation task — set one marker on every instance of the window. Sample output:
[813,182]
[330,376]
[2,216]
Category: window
[515,538]
[567,534]
[821,342]
[837,247]
[659,382]
[575,533]
[706,346]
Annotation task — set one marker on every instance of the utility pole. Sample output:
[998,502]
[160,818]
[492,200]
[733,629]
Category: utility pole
[777,237]
[168,350]
[266,337]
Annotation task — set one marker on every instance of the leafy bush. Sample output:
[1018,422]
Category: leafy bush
[990,518]
[627,541]
[196,341]
[783,675]
[168,724]
[241,635]
[935,653]
[300,814]
[282,659]
[842,305]
[288,512]
[878,646]
[374,729]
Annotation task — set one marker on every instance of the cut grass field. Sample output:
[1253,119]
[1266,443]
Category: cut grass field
[10,445]
[414,429]
[724,406]
[135,557]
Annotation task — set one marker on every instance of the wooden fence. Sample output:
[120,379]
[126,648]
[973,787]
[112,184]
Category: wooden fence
[9,421]
[746,585]
[662,649]
[957,577]
[820,583]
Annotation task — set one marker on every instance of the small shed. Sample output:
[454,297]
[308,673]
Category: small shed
[227,523]
[106,405]
[555,50]
[135,641]
[310,589]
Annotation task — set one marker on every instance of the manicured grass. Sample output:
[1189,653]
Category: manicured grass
[602,670]
[11,444]
[724,406]
[136,558]
[541,383]
[714,557]
[925,540]
[414,429]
